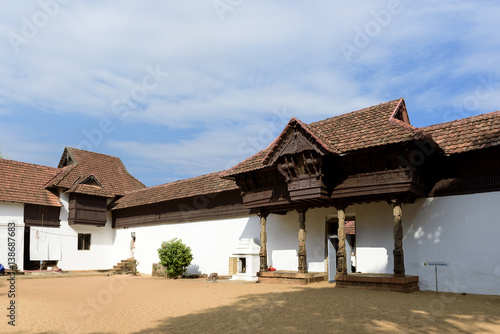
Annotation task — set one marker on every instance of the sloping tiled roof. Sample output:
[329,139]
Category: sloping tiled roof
[200,185]
[368,127]
[383,124]
[467,134]
[111,172]
[87,189]
[21,182]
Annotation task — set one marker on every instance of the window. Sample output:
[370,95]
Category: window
[83,241]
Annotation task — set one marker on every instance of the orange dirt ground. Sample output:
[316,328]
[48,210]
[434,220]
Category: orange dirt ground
[126,304]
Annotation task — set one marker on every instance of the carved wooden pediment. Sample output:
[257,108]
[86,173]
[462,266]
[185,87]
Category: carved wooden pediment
[295,140]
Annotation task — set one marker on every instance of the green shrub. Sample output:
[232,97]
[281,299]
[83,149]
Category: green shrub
[175,256]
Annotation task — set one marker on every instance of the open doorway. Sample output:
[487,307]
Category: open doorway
[332,240]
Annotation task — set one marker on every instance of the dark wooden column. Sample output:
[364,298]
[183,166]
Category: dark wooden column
[341,254]
[399,263]
[263,239]
[302,241]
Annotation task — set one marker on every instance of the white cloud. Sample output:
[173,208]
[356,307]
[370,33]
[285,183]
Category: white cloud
[231,74]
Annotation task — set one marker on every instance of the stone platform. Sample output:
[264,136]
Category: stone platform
[291,277]
[384,282]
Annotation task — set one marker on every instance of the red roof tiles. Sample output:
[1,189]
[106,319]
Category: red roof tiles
[467,134]
[383,124]
[109,170]
[196,186]
[24,183]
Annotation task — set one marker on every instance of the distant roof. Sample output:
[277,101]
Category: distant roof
[22,182]
[467,134]
[200,185]
[383,124]
[80,165]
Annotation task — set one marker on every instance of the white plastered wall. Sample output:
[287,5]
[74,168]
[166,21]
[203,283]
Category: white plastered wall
[462,231]
[101,245]
[212,242]
[12,213]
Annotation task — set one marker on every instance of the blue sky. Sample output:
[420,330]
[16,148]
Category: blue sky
[183,88]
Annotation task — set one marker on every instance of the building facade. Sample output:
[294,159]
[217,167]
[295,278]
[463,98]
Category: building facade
[350,197]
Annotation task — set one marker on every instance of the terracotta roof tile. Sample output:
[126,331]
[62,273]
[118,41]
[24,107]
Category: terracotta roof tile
[109,170]
[467,134]
[196,186]
[22,182]
[368,127]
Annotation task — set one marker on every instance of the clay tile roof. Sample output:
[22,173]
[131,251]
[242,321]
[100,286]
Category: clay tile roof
[368,127]
[22,182]
[467,134]
[110,171]
[87,189]
[383,124]
[196,186]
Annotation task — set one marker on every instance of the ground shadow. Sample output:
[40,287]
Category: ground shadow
[335,310]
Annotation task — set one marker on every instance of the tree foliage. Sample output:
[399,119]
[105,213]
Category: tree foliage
[175,256]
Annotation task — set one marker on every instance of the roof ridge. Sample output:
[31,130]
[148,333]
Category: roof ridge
[462,120]
[176,181]
[30,164]
[352,112]
[92,152]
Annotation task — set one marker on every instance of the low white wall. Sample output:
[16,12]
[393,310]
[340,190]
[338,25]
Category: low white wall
[463,231]
[101,244]
[212,242]
[12,213]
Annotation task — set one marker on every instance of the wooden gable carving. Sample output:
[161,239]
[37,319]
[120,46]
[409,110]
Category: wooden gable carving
[298,157]
[295,141]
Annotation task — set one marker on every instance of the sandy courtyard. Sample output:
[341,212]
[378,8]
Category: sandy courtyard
[125,304]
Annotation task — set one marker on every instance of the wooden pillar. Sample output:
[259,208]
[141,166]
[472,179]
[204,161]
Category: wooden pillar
[263,239]
[341,254]
[302,241]
[399,263]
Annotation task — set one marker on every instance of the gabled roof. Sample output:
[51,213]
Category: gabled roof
[80,165]
[467,134]
[383,124]
[22,182]
[316,141]
[196,186]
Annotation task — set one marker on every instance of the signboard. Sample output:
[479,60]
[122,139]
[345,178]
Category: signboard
[436,264]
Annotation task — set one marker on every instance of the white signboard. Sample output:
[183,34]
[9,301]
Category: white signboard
[436,264]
